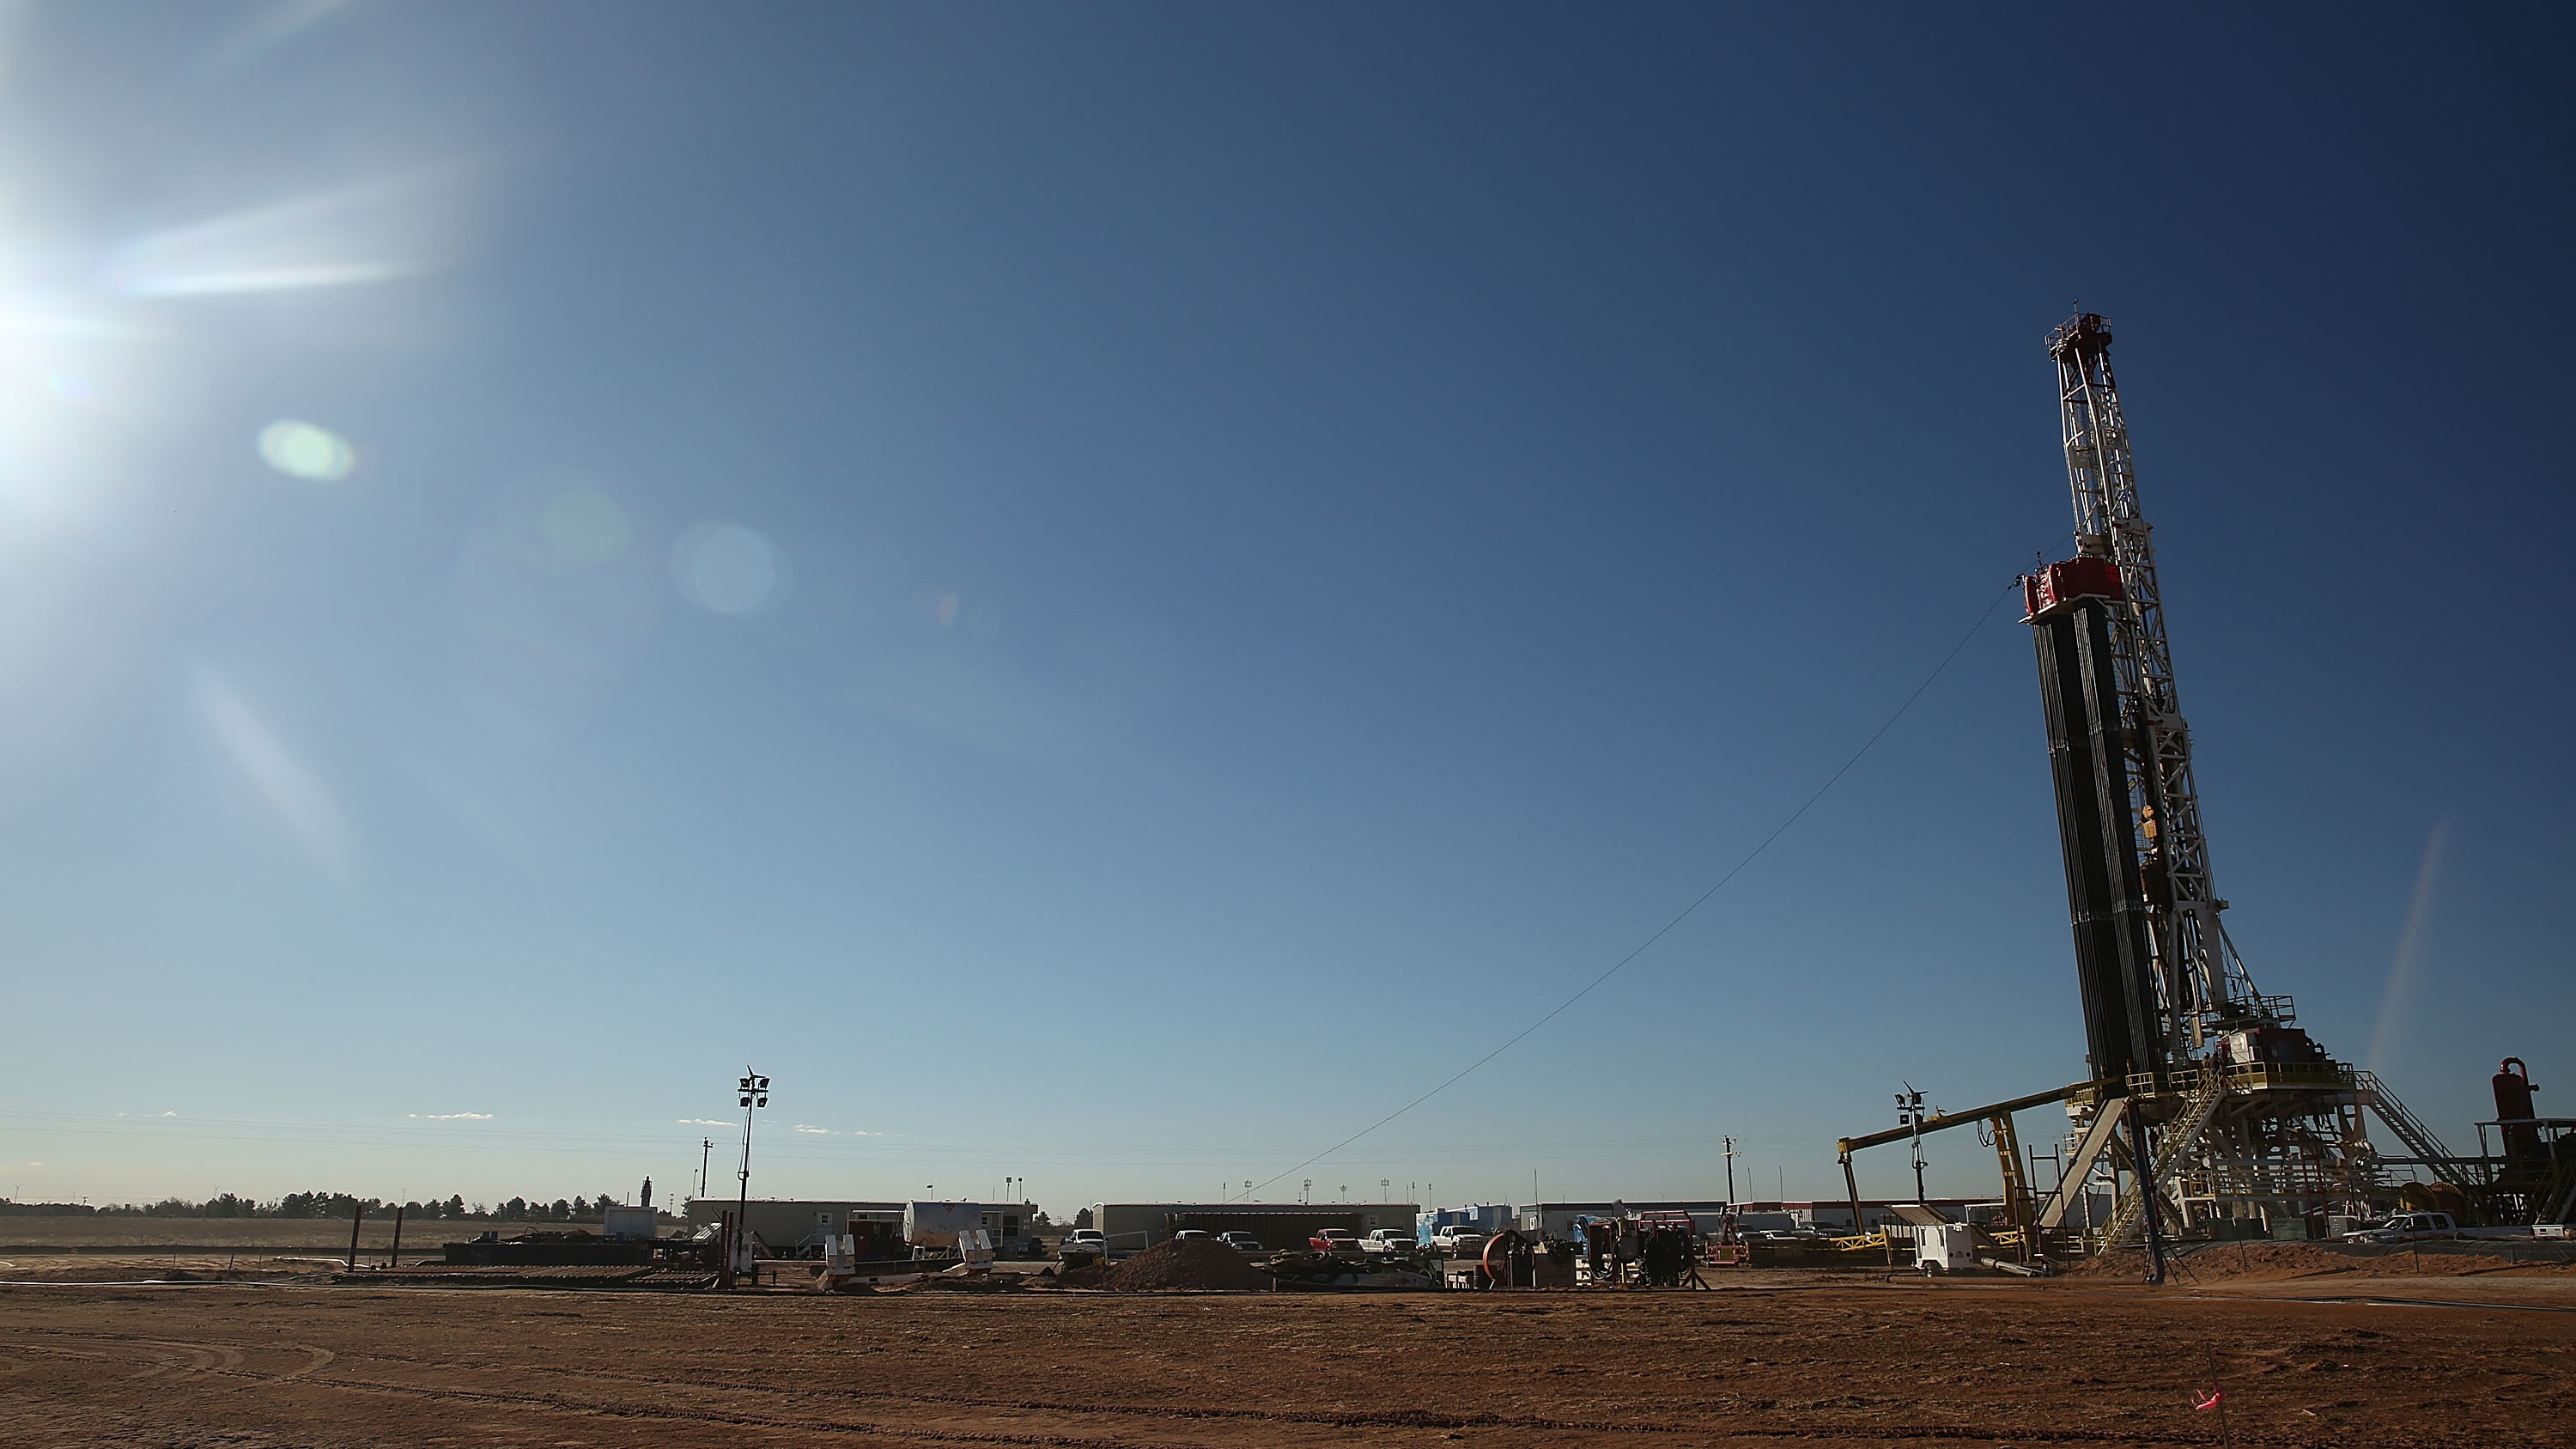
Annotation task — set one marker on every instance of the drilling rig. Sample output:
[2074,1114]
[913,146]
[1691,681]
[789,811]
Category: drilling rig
[2236,1122]
[2209,1111]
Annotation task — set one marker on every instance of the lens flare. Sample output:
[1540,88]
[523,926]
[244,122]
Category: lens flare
[587,527]
[725,568]
[301,450]
[290,788]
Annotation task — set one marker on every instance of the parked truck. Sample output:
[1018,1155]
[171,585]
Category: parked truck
[2407,1228]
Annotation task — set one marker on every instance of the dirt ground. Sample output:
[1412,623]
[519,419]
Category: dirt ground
[1784,1357]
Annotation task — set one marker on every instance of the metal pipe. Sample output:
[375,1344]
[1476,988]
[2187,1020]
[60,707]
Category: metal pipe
[2144,1167]
[1959,1119]
[1851,1185]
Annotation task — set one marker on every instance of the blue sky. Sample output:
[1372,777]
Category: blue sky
[1110,593]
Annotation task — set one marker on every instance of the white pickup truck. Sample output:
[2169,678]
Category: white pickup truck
[1083,1243]
[2407,1228]
[1388,1240]
[1459,1241]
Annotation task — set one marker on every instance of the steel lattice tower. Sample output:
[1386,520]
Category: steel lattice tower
[2240,1121]
[2201,984]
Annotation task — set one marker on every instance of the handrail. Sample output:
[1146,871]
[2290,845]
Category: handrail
[2179,1135]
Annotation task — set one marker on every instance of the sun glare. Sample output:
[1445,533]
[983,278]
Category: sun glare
[301,450]
[726,568]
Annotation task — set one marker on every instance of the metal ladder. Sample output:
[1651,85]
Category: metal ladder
[2178,1136]
[2419,1139]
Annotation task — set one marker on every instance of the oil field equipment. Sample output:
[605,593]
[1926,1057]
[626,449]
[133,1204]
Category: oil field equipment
[2211,1111]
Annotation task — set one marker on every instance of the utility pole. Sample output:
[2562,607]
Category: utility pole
[1730,1172]
[1909,1113]
[706,1149]
[755,1094]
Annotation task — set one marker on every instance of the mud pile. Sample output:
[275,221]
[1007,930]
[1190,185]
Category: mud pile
[1177,1264]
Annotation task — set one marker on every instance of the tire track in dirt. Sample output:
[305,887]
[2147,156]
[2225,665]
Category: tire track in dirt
[1341,1419]
[1413,1418]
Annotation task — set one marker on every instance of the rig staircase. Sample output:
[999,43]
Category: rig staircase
[2419,1139]
[2178,1136]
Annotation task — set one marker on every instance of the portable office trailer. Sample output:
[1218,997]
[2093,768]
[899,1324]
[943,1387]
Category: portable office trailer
[1133,1226]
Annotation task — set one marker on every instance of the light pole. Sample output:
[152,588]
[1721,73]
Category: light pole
[755,1094]
[706,1149]
[1730,1172]
[1306,1194]
[1909,1113]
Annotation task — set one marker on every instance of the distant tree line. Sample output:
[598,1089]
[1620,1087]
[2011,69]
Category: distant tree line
[325,1205]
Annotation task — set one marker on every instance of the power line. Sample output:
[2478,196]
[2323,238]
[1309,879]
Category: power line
[1684,914]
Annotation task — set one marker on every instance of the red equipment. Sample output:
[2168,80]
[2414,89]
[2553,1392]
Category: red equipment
[2061,584]
[2513,1091]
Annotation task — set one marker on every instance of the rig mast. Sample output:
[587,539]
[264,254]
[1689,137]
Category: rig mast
[2239,1122]
[2201,985]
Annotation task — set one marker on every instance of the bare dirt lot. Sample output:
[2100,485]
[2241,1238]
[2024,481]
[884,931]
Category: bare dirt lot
[1772,1357]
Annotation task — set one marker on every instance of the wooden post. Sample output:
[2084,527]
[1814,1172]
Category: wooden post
[357,1220]
[724,1250]
[393,1255]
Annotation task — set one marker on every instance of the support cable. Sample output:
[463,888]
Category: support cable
[1666,929]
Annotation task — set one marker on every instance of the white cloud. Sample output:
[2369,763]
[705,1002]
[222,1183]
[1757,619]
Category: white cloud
[169,1114]
[450,1116]
[817,1131]
[701,1122]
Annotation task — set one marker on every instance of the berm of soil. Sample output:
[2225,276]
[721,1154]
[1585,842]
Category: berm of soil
[1190,1264]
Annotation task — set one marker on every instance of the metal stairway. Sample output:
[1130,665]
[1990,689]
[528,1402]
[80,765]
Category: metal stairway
[2419,1139]
[2177,1138]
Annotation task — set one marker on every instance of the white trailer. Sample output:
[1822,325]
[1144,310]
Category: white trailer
[935,1225]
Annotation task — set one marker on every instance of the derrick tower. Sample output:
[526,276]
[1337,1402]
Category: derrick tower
[2243,1124]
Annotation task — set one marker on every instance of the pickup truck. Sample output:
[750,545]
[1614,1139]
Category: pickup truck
[1387,1240]
[1335,1240]
[1083,1243]
[2407,1228]
[1461,1240]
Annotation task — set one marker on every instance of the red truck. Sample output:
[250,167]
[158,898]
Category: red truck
[1336,1240]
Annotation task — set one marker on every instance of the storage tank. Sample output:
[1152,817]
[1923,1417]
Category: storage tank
[2513,1090]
